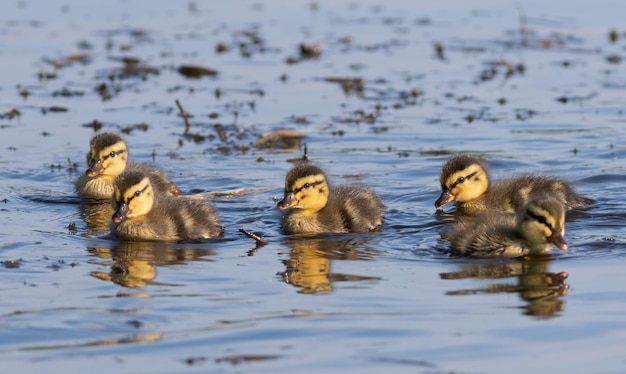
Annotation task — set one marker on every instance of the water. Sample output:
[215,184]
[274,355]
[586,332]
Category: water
[73,300]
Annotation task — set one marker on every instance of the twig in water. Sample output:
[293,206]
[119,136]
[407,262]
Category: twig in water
[259,240]
[185,116]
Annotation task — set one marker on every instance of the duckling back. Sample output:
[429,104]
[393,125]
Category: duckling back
[537,225]
[361,209]
[511,194]
[141,213]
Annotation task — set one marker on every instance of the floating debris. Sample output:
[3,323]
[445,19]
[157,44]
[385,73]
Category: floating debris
[348,85]
[54,109]
[257,238]
[10,114]
[281,139]
[68,60]
[239,359]
[194,71]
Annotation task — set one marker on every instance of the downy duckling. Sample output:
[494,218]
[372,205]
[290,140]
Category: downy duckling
[537,226]
[141,213]
[464,180]
[314,207]
[107,159]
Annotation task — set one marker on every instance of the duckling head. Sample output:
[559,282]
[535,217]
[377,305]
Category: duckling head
[463,178]
[107,156]
[133,196]
[306,188]
[542,222]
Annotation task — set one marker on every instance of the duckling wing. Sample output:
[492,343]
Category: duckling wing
[511,194]
[361,209]
[192,219]
[487,235]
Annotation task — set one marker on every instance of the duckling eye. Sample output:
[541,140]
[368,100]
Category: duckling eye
[460,180]
[307,185]
[112,154]
[539,218]
[137,193]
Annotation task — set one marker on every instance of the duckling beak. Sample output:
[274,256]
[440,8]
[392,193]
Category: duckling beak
[289,201]
[558,240]
[120,213]
[94,169]
[446,197]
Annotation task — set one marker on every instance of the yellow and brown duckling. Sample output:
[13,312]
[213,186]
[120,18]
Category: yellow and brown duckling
[312,206]
[108,158]
[536,227]
[141,213]
[464,180]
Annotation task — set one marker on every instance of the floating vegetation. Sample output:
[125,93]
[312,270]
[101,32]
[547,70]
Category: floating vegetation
[194,71]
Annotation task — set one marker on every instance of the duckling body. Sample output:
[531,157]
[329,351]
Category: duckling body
[141,213]
[536,227]
[108,158]
[465,180]
[313,207]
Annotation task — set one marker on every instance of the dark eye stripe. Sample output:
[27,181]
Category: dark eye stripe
[114,153]
[540,219]
[462,179]
[137,193]
[307,185]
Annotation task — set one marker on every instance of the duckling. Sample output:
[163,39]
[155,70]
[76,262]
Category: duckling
[315,207]
[142,213]
[537,225]
[464,179]
[107,159]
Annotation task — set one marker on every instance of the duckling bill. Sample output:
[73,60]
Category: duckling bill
[311,206]
[536,227]
[141,213]
[464,180]
[108,158]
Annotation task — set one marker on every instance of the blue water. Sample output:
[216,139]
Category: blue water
[74,300]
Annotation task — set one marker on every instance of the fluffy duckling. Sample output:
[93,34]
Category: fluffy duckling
[464,180]
[107,159]
[314,207]
[141,213]
[537,226]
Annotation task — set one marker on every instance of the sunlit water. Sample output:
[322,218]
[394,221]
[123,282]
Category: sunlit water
[73,300]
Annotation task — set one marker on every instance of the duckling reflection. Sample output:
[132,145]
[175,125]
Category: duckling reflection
[309,263]
[96,215]
[135,264]
[538,287]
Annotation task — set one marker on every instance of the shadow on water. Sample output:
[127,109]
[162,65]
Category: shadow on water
[539,288]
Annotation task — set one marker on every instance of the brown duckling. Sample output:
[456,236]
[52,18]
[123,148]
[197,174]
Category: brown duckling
[141,213]
[464,180]
[314,207]
[537,226]
[107,159]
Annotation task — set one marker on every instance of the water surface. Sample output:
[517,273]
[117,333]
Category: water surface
[537,88]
